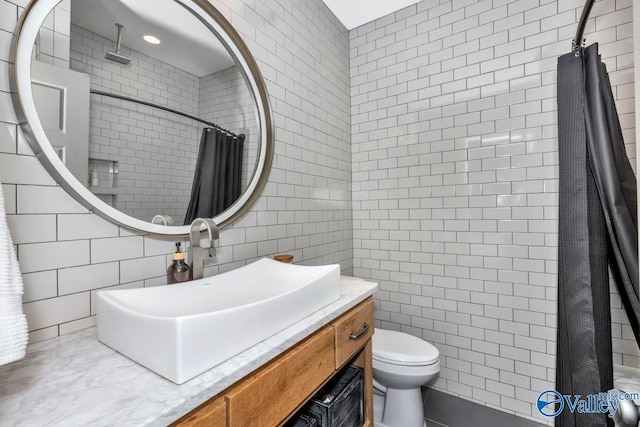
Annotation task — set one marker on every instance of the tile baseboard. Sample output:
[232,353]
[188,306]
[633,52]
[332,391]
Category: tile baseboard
[442,409]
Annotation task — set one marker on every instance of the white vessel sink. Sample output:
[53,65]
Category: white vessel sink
[182,330]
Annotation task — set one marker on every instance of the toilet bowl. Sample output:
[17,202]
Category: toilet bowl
[402,363]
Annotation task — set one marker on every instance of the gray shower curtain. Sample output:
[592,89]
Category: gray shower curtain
[217,181]
[597,229]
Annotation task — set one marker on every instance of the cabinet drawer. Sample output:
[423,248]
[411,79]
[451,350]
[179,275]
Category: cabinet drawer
[210,414]
[268,396]
[353,330]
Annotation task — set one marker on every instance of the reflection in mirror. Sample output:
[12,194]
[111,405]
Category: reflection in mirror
[134,121]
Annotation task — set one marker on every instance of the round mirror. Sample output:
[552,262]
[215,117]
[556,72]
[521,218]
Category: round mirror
[149,112]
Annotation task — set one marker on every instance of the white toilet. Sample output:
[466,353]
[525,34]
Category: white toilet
[402,363]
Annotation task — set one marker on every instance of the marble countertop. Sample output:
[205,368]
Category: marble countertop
[75,380]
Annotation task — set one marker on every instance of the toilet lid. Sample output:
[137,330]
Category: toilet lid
[401,348]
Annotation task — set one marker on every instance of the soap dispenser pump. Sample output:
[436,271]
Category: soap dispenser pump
[179,271]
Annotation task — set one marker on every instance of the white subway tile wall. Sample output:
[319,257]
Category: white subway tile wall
[226,100]
[419,150]
[156,151]
[67,254]
[455,182]
[52,44]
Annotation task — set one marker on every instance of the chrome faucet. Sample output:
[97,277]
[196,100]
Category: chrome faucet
[198,254]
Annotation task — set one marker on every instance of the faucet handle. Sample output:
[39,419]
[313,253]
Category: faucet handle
[211,228]
[198,253]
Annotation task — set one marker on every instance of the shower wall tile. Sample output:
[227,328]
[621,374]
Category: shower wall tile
[226,100]
[146,143]
[126,133]
[455,182]
[52,46]
[305,208]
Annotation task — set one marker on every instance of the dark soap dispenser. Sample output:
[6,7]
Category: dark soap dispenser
[179,271]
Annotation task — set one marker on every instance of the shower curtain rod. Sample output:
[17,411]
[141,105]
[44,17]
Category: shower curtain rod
[170,110]
[578,41]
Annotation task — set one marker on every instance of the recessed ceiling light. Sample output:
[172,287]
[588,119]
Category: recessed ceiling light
[151,39]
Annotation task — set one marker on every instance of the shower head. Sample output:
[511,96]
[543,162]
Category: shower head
[118,56]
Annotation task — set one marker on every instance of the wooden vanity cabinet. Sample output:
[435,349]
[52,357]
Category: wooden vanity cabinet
[212,413]
[276,389]
[270,395]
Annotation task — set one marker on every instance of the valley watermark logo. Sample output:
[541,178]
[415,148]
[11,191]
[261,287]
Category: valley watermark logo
[551,403]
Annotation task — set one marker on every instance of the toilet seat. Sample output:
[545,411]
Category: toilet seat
[399,348]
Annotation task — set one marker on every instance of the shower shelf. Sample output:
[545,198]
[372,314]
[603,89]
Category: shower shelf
[106,175]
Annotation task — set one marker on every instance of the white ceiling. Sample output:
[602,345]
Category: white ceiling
[354,13]
[186,43]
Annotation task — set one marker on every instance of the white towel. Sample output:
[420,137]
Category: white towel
[13,323]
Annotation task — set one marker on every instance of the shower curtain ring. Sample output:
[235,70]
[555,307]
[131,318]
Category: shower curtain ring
[575,47]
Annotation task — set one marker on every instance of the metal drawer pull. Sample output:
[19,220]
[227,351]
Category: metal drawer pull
[361,333]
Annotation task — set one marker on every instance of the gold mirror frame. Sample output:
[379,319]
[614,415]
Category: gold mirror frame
[32,19]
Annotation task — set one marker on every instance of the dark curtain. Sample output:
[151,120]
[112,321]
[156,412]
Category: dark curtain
[217,179]
[597,229]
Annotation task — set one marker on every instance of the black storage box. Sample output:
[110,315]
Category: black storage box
[341,402]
